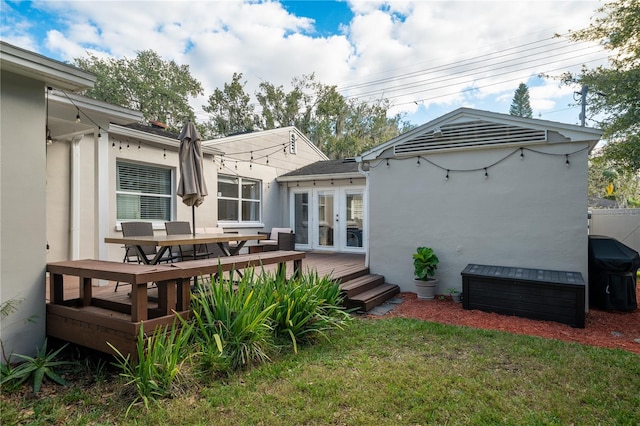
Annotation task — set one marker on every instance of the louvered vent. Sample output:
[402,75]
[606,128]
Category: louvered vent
[470,134]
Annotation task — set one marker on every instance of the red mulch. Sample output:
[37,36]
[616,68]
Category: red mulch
[619,330]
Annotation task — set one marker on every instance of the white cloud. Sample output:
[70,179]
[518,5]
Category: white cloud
[409,51]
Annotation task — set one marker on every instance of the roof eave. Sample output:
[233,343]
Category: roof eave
[155,140]
[52,73]
[115,113]
[577,134]
[328,176]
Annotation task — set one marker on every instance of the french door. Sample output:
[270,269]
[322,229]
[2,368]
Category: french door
[329,218]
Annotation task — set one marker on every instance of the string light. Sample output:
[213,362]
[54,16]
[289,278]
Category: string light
[387,162]
[567,160]
[120,148]
[113,145]
[164,155]
[521,153]
[447,176]
[78,115]
[418,161]
[486,173]
[138,145]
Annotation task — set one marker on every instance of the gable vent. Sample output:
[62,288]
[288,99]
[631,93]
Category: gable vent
[470,134]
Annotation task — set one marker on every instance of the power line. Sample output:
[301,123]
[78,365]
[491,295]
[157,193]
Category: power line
[463,62]
[473,88]
[524,65]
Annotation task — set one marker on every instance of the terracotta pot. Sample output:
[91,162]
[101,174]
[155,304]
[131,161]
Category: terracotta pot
[426,289]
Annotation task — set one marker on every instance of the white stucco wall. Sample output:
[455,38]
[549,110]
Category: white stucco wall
[22,211]
[206,213]
[529,212]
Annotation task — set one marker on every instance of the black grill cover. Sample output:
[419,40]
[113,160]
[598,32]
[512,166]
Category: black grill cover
[612,274]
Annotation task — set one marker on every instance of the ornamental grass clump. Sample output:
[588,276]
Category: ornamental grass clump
[162,368]
[231,324]
[306,306]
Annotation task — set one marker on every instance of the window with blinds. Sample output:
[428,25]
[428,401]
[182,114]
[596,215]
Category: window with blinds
[239,199]
[143,192]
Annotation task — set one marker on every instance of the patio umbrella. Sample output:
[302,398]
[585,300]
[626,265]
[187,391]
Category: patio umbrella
[192,187]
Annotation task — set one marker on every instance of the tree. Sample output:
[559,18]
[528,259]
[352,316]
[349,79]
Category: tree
[611,182]
[279,109]
[159,89]
[340,127]
[231,109]
[615,91]
[520,105]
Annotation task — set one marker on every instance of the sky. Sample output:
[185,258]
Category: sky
[427,57]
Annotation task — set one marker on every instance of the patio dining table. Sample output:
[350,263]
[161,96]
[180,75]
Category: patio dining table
[165,242]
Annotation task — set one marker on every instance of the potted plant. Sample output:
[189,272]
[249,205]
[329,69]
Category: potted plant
[455,294]
[425,263]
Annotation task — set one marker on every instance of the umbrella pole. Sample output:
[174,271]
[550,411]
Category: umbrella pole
[193,219]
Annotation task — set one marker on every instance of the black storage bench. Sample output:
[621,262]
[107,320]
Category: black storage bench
[531,293]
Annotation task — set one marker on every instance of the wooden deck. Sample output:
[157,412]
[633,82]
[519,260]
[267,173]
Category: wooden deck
[100,314]
[341,266]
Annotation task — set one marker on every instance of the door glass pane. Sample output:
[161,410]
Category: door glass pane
[301,217]
[355,215]
[325,219]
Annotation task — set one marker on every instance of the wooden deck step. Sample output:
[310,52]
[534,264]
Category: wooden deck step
[371,298]
[361,284]
[343,273]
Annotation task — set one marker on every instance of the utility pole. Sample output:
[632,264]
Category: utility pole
[583,98]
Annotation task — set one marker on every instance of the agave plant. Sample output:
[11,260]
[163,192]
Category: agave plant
[37,368]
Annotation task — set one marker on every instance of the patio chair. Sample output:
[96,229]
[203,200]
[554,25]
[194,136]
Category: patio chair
[140,229]
[279,239]
[189,252]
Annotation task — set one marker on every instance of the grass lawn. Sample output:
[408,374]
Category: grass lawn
[377,371]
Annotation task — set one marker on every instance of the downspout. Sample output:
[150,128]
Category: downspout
[74,198]
[366,213]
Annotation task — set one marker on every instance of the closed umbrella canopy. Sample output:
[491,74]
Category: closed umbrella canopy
[192,187]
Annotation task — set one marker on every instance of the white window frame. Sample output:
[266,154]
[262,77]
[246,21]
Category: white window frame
[239,201]
[158,223]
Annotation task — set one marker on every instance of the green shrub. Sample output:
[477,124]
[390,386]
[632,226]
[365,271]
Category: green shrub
[161,368]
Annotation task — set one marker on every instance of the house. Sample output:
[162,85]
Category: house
[141,176]
[479,187]
[25,77]
[252,163]
[74,168]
